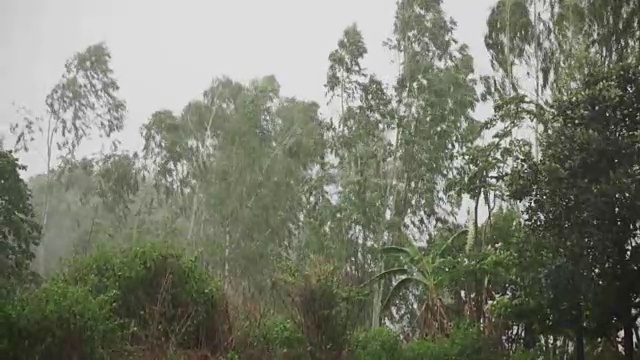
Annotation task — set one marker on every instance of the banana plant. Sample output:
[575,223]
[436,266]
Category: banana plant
[420,269]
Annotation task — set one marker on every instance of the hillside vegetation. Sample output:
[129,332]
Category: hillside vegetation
[252,226]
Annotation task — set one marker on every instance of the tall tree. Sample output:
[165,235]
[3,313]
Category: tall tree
[84,102]
[237,165]
[435,95]
[362,150]
[582,195]
[552,42]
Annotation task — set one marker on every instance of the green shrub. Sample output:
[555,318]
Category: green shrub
[279,334]
[275,338]
[464,342]
[326,308]
[376,344]
[164,296]
[58,321]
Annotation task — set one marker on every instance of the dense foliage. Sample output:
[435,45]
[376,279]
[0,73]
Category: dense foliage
[20,231]
[250,226]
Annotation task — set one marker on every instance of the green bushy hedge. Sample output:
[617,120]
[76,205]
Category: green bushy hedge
[377,344]
[464,342]
[59,321]
[161,294]
[118,299]
[274,337]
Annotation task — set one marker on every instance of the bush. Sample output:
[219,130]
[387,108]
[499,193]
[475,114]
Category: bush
[166,299]
[376,344]
[274,338]
[325,307]
[464,342]
[58,321]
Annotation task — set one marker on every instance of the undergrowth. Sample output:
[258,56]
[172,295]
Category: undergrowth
[155,302]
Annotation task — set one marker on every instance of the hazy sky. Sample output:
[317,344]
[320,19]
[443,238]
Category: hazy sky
[165,53]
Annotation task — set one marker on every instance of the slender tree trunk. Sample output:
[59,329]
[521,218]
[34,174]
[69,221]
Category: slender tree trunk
[45,211]
[628,326]
[377,305]
[628,340]
[227,244]
[194,208]
[41,252]
[579,346]
[472,247]
[530,337]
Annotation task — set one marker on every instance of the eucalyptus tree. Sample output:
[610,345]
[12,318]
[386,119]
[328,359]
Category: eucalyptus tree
[118,183]
[435,93]
[263,168]
[553,42]
[114,200]
[179,150]
[360,146]
[296,173]
[540,47]
[435,96]
[236,165]
[92,199]
[242,152]
[362,150]
[84,102]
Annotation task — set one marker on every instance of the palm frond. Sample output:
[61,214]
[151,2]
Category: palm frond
[397,251]
[387,273]
[397,288]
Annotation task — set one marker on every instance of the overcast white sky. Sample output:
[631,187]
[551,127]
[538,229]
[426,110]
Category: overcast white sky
[165,53]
